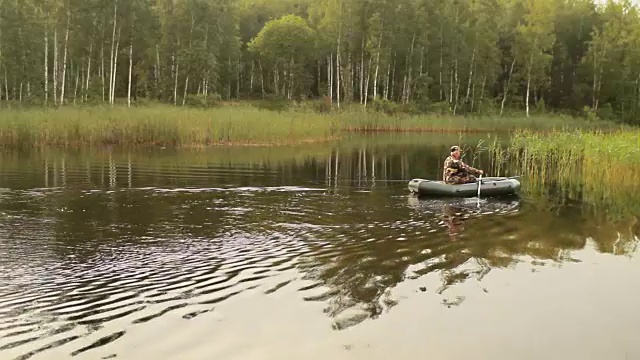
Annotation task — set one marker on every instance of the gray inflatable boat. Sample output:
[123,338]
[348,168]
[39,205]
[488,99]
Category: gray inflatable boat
[490,186]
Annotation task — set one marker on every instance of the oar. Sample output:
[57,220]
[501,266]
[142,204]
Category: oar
[479,183]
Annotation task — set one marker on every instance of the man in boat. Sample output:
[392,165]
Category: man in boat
[456,171]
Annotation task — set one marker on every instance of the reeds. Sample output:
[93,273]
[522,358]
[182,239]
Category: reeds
[161,125]
[235,125]
[600,169]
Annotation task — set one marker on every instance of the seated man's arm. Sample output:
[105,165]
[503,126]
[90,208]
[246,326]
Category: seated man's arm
[471,169]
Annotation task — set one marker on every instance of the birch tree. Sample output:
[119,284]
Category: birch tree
[535,38]
[458,56]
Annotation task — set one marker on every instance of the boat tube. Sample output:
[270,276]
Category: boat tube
[490,186]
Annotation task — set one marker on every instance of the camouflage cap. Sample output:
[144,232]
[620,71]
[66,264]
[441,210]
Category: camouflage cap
[455,148]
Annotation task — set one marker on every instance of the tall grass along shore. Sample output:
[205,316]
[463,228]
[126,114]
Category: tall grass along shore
[598,168]
[237,125]
[161,125]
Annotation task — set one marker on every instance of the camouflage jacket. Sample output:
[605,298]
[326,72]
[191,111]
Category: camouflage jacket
[453,167]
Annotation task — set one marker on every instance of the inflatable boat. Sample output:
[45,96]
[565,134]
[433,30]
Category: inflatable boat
[489,186]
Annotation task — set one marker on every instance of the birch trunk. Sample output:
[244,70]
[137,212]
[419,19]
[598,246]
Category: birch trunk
[186,81]
[637,92]
[362,94]
[451,81]
[175,69]
[528,87]
[442,96]
[529,79]
[115,68]
[599,87]
[349,84]
[387,81]
[261,77]
[330,78]
[393,76]
[113,51]
[82,82]
[158,69]
[175,84]
[595,76]
[421,72]
[75,90]
[407,94]
[507,85]
[366,83]
[102,70]
[205,89]
[275,81]
[86,81]
[457,84]
[484,83]
[338,68]
[229,79]
[0,68]
[473,96]
[184,94]
[46,64]
[251,78]
[375,76]
[239,76]
[55,66]
[6,85]
[471,67]
[404,82]
[599,82]
[86,91]
[130,73]
[64,61]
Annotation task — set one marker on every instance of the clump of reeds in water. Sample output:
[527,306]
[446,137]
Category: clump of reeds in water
[600,168]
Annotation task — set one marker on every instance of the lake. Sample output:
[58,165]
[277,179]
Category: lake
[311,252]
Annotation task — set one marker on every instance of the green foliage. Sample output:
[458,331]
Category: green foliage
[284,39]
[403,56]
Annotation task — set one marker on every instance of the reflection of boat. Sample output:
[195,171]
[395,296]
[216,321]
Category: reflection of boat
[465,207]
[452,213]
[491,186]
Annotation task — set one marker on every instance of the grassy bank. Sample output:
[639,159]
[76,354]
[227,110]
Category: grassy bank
[600,169]
[238,124]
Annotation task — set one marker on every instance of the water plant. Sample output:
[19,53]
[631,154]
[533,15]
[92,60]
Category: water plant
[600,169]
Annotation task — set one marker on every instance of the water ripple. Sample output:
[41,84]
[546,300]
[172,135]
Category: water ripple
[103,285]
[84,268]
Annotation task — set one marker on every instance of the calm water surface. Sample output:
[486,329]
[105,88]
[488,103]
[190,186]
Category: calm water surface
[273,254]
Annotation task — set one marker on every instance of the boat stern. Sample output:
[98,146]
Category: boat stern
[414,185]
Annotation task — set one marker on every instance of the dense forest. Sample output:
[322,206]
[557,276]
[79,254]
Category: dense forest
[459,56]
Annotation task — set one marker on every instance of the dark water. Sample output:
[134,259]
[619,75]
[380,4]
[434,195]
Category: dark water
[272,254]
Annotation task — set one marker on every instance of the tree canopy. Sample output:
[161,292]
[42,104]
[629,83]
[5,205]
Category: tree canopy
[459,56]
